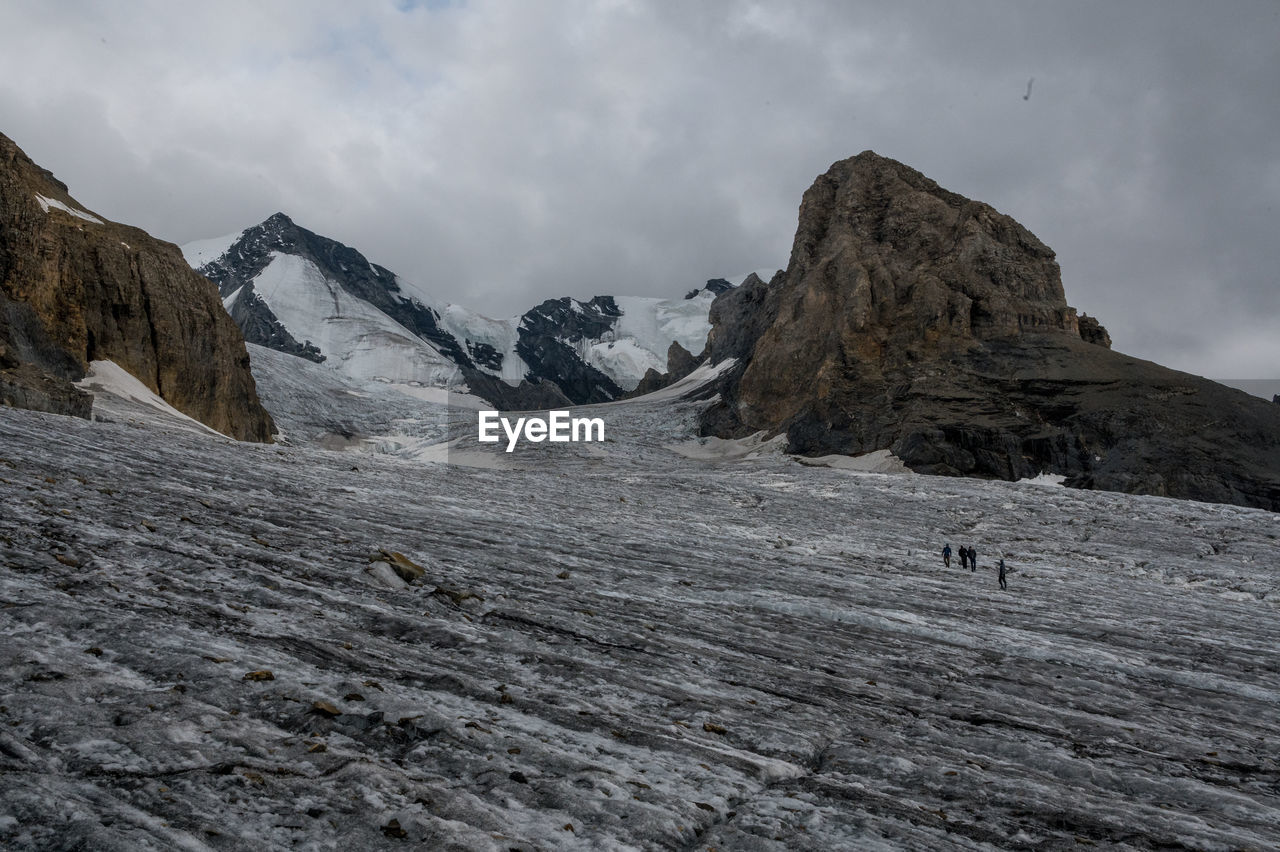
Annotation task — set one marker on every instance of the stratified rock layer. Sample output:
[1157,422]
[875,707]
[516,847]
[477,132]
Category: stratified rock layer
[913,319]
[76,288]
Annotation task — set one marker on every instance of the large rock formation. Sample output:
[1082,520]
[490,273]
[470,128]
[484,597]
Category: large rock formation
[75,288]
[913,319]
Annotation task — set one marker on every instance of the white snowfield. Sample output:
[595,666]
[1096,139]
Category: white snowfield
[117,393]
[46,203]
[357,339]
[470,327]
[617,648]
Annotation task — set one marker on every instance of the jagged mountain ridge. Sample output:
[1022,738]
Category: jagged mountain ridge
[913,319]
[250,255]
[77,288]
[295,291]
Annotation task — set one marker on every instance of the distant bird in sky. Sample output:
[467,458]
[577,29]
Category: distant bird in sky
[1027,96]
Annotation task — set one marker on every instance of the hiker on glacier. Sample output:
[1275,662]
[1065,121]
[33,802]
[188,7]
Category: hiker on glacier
[946,555]
[973,560]
[1003,584]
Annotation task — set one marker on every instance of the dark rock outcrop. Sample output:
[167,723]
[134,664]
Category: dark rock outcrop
[1091,331]
[739,317]
[77,288]
[546,333]
[36,373]
[532,394]
[651,381]
[913,319]
[680,363]
[714,285]
[27,386]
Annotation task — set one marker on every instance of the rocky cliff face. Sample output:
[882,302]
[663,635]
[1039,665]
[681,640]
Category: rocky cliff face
[77,288]
[913,319]
[549,335]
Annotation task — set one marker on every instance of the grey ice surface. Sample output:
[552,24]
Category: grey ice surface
[613,647]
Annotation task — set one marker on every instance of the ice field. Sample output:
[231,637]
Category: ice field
[647,643]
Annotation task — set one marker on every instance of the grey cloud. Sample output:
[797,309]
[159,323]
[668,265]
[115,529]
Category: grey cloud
[501,153]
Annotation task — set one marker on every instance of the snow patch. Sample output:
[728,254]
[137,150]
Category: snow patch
[1044,479]
[469,327]
[704,374]
[108,377]
[46,203]
[356,338]
[879,461]
[383,576]
[731,449]
[625,361]
[229,302]
[199,252]
[641,337]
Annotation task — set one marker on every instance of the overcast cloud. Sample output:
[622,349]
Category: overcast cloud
[505,152]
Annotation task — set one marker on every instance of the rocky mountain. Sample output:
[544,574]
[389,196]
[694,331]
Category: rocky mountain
[76,288]
[295,291]
[913,319]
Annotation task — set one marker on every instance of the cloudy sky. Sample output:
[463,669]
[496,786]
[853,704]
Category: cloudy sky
[505,151]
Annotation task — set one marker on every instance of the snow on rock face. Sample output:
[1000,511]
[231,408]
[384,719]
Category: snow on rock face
[291,290]
[490,343]
[119,394]
[200,252]
[599,349]
[701,377]
[625,360]
[756,656]
[46,203]
[348,331]
[644,332]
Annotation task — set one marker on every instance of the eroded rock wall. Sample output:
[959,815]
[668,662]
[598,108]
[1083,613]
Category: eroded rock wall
[90,289]
[913,319]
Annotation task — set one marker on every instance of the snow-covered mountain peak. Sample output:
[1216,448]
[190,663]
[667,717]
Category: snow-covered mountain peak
[298,292]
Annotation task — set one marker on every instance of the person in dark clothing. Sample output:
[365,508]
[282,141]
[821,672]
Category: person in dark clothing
[946,556]
[973,560]
[964,557]
[1003,584]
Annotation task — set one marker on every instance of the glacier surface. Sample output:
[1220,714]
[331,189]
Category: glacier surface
[613,646]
